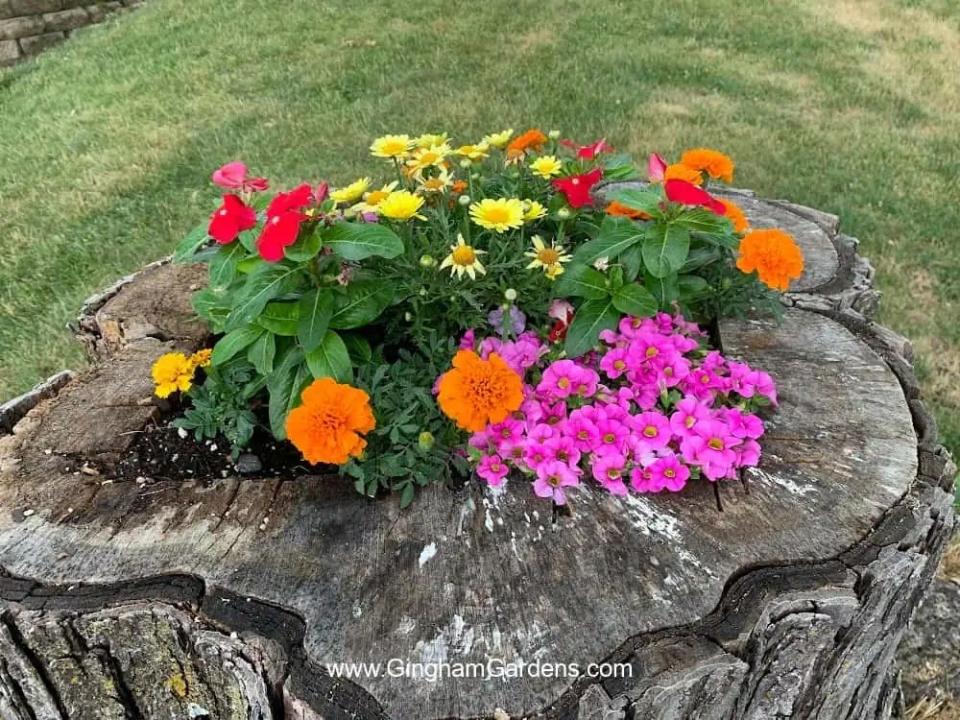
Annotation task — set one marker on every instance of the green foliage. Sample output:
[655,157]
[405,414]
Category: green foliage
[221,406]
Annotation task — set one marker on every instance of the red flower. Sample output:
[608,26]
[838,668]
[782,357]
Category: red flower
[233,176]
[284,216]
[230,219]
[577,187]
[588,152]
[680,191]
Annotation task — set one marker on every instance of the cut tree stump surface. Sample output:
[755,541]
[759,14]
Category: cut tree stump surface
[788,602]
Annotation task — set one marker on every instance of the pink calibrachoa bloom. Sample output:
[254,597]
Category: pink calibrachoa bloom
[712,447]
[687,413]
[614,434]
[651,430]
[493,469]
[233,176]
[582,430]
[668,473]
[535,454]
[614,362]
[609,470]
[560,379]
[553,477]
[562,448]
[230,219]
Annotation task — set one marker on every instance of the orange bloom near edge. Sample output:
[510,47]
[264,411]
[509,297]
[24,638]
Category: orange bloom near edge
[327,427]
[735,213]
[618,209]
[532,139]
[713,162]
[477,392]
[773,254]
[679,171]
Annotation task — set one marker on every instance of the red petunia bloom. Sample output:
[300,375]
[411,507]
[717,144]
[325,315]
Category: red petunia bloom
[284,217]
[577,188]
[230,219]
[588,152]
[680,191]
[233,176]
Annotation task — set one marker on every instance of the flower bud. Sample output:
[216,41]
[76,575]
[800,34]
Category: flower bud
[423,292]
[428,261]
[426,440]
[408,317]
[464,200]
[563,213]
[553,134]
[510,294]
[466,162]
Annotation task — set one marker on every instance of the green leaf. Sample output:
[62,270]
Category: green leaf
[315,311]
[635,300]
[360,303]
[305,248]
[700,257]
[262,286]
[665,248]
[358,347]
[664,290]
[581,281]
[262,352]
[646,200]
[233,342]
[592,317]
[406,496]
[698,219]
[331,359]
[616,235]
[358,240]
[212,307]
[632,261]
[280,318]
[194,240]
[223,267]
[691,286]
[284,385]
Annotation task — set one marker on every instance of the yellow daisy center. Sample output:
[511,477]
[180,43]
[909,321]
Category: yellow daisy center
[497,214]
[464,256]
[376,197]
[548,256]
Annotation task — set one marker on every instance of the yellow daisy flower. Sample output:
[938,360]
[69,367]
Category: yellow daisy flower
[546,166]
[401,205]
[352,192]
[430,139]
[391,146]
[431,156]
[499,215]
[371,200]
[498,140]
[438,183]
[548,257]
[172,372]
[533,210]
[462,259]
[474,152]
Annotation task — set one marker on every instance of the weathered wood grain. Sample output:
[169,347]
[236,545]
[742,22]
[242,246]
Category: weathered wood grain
[788,603]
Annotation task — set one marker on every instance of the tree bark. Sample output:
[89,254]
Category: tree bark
[783,596]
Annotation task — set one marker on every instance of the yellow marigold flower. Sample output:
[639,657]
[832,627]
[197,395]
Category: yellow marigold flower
[498,140]
[474,152]
[352,192]
[172,372]
[679,171]
[438,183]
[498,215]
[533,210]
[391,146]
[423,158]
[430,139]
[546,166]
[462,259]
[713,162]
[401,205]
[202,358]
[548,257]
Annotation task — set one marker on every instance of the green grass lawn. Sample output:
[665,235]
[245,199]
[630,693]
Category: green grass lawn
[107,143]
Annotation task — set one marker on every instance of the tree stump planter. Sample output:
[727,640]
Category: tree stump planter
[225,597]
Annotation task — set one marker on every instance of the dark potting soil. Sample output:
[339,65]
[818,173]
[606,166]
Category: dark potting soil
[162,452]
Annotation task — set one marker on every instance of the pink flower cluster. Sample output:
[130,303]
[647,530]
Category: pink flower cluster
[647,413]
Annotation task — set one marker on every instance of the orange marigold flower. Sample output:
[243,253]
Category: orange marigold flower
[735,213]
[713,162]
[618,209]
[459,186]
[328,426]
[773,254]
[532,139]
[477,392]
[679,171]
